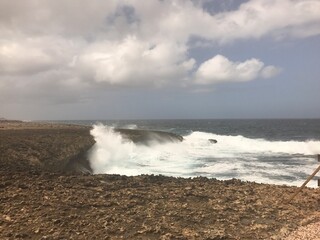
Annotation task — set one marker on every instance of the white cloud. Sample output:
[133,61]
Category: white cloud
[179,20]
[280,18]
[48,17]
[270,71]
[134,42]
[134,62]
[35,55]
[221,69]
[16,58]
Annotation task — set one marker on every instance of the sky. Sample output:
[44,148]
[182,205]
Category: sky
[159,59]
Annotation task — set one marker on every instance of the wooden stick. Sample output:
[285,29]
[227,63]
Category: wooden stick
[318,161]
[305,183]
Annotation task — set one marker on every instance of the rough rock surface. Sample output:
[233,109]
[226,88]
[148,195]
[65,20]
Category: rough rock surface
[45,146]
[37,203]
[146,136]
[308,232]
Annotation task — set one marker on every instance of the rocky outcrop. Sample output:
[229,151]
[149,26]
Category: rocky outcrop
[213,141]
[47,147]
[57,147]
[147,137]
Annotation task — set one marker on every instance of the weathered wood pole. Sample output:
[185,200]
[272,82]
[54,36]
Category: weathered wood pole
[319,178]
[306,182]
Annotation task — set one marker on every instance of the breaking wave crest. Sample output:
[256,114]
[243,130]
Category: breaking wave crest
[278,162]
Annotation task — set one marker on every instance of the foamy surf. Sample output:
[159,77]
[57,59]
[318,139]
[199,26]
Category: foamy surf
[259,160]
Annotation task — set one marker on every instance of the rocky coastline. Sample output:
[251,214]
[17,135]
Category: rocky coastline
[47,192]
[44,146]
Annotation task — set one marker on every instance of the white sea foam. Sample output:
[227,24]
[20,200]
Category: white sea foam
[259,160]
[130,126]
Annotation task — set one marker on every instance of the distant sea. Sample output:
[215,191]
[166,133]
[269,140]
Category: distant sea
[281,151]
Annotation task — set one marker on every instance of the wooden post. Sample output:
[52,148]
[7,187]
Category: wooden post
[306,182]
[319,178]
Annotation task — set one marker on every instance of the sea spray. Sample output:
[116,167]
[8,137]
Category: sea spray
[110,150]
[115,154]
[260,160]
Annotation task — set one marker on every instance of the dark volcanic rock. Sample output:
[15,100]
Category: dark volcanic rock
[212,141]
[148,136]
[44,146]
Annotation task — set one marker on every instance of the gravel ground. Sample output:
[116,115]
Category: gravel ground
[38,205]
[309,232]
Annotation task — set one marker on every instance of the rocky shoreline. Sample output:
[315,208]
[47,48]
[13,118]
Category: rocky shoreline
[44,146]
[45,194]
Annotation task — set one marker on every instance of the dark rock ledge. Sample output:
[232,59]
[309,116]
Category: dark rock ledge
[44,146]
[59,147]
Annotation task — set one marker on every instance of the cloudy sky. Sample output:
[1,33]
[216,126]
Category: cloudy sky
[133,59]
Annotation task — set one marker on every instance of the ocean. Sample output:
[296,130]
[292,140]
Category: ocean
[278,151]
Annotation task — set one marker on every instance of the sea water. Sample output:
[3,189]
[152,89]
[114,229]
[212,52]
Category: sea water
[264,151]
